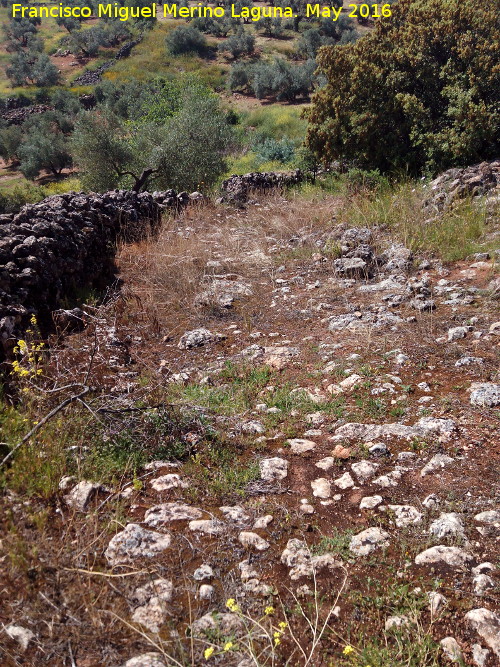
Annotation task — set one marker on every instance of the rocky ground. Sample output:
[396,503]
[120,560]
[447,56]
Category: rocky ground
[321,483]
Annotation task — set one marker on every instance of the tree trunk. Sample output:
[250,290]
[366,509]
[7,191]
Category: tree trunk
[142,180]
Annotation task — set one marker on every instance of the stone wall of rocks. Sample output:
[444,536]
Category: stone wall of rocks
[455,184]
[64,242]
[236,188]
[90,77]
[19,115]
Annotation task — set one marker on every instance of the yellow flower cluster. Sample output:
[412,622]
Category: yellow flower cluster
[232,605]
[27,368]
[279,633]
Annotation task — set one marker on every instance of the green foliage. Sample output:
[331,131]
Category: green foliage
[273,150]
[12,200]
[271,27]
[19,33]
[421,91]
[181,142]
[104,35]
[29,67]
[241,44]
[186,39]
[336,543]
[10,140]
[359,180]
[279,79]
[45,145]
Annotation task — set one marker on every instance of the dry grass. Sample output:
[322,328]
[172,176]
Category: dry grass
[167,272]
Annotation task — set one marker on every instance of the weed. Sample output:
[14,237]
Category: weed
[336,543]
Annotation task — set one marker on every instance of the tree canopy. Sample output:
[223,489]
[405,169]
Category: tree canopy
[181,143]
[420,92]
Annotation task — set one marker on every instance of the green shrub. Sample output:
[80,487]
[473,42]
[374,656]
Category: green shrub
[275,151]
[421,91]
[186,39]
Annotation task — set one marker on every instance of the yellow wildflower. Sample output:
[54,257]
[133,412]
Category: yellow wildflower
[277,641]
[283,625]
[231,605]
[33,320]
[268,611]
[208,652]
[348,650]
[228,646]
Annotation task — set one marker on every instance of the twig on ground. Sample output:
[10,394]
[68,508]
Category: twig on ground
[43,421]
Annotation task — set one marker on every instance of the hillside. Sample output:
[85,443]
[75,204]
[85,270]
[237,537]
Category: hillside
[288,420]
[249,334]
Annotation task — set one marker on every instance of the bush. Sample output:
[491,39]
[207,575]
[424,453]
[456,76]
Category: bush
[279,79]
[241,44]
[181,143]
[10,140]
[186,39]
[45,145]
[421,91]
[32,68]
[271,150]
[358,180]
[238,76]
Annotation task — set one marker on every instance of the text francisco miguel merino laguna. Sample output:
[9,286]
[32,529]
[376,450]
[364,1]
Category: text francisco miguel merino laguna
[114,10]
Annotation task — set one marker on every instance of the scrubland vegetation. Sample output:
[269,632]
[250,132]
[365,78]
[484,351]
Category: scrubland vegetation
[356,299]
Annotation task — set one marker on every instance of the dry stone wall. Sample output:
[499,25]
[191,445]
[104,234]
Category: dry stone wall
[235,189]
[65,242]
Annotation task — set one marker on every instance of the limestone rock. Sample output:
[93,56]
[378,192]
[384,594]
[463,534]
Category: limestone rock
[452,556]
[487,625]
[198,338]
[274,469]
[490,516]
[235,513]
[262,522]
[451,648]
[369,540]
[482,583]
[437,462]
[152,597]
[447,525]
[79,497]
[159,515]
[146,660]
[370,502]
[135,542]
[22,636]
[253,541]
[167,482]
[406,515]
[206,592]
[225,624]
[396,622]
[436,602]
[485,395]
[207,526]
[480,655]
[326,463]
[300,446]
[344,482]
[203,572]
[364,470]
[321,488]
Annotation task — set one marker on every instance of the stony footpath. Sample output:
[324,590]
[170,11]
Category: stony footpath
[374,445]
